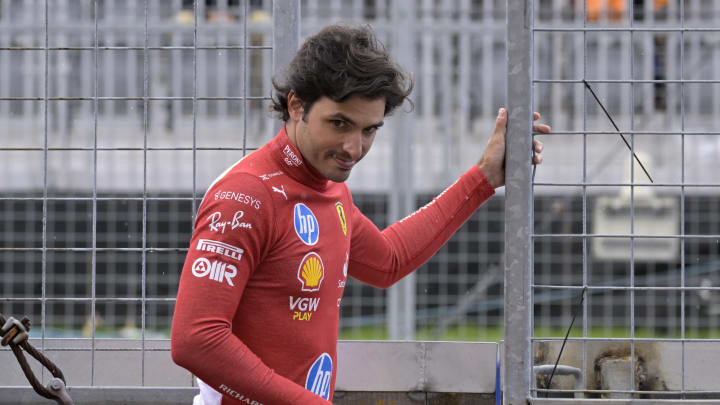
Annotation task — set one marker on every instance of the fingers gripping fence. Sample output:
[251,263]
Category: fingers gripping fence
[15,334]
[592,68]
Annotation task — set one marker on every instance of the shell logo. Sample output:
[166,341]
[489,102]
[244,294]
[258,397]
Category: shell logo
[311,272]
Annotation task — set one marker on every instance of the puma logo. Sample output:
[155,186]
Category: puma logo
[280,190]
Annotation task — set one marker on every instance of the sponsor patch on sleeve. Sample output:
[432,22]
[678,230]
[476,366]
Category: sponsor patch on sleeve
[319,376]
[216,270]
[221,248]
[238,396]
[219,225]
[243,198]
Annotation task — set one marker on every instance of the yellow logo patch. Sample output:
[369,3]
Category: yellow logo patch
[341,215]
[311,272]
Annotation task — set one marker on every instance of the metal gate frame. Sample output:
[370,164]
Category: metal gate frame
[517,354]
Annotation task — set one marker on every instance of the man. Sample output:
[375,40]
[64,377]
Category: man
[277,234]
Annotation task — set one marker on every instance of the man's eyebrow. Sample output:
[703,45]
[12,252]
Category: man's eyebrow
[351,122]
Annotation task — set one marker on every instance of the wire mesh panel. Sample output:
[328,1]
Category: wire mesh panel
[117,115]
[454,52]
[120,113]
[620,259]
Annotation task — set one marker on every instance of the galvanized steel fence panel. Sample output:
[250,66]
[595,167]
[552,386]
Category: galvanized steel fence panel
[92,114]
[118,114]
[633,249]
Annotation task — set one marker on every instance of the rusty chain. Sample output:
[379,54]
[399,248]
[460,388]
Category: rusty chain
[15,334]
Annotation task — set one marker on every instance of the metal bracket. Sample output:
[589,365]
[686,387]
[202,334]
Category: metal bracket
[57,387]
[13,331]
[563,370]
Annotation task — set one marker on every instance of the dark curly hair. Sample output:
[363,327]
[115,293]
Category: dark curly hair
[340,62]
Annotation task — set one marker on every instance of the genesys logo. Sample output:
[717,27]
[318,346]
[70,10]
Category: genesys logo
[239,197]
[306,225]
[218,225]
[217,270]
[303,308]
[240,397]
[319,376]
[224,249]
[311,272]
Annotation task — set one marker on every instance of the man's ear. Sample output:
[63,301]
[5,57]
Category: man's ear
[295,107]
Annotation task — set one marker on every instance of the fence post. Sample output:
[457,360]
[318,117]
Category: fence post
[401,297]
[518,205]
[286,38]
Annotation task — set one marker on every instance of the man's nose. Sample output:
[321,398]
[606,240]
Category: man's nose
[353,145]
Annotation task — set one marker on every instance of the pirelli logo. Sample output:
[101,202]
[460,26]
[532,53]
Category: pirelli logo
[224,249]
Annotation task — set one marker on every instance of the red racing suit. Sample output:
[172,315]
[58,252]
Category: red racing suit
[256,317]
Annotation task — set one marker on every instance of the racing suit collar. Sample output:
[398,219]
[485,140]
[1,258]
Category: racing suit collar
[292,163]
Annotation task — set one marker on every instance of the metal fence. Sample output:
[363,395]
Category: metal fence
[93,237]
[636,267]
[106,186]
[118,114]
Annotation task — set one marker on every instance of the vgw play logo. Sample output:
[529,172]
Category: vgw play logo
[319,376]
[306,225]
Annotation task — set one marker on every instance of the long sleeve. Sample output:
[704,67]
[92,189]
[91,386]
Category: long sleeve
[382,258]
[233,231]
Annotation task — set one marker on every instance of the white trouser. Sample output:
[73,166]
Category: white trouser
[207,396]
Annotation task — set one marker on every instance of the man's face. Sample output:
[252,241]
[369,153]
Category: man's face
[333,137]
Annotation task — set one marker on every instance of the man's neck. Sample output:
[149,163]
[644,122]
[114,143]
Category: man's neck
[290,129]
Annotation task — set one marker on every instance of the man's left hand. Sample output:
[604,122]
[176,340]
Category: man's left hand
[537,145]
[492,161]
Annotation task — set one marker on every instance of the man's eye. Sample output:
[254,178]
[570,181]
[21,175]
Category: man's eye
[371,130]
[338,123]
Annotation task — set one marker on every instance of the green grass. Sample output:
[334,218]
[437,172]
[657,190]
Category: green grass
[495,333]
[470,333]
[464,333]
